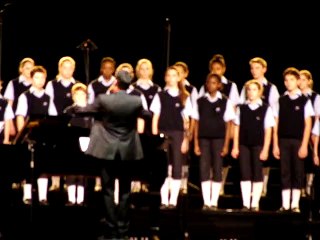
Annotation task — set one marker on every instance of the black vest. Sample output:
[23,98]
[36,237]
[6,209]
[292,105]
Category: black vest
[99,88]
[170,116]
[291,117]
[226,89]
[3,106]
[37,107]
[18,88]
[252,125]
[266,92]
[149,95]
[313,99]
[211,122]
[62,95]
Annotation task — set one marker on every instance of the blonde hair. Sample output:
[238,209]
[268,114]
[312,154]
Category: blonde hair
[62,61]
[144,61]
[125,65]
[78,86]
[308,75]
[259,60]
[254,82]
[23,62]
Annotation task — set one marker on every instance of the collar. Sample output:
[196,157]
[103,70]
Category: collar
[106,82]
[264,81]
[215,98]
[186,82]
[257,103]
[297,93]
[72,80]
[36,92]
[144,82]
[308,93]
[172,92]
[224,80]
[23,79]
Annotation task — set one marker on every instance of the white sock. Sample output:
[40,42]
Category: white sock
[116,191]
[225,171]
[164,191]
[55,181]
[98,181]
[256,193]
[286,198]
[80,194]
[184,179]
[310,177]
[296,193]
[84,143]
[27,191]
[206,190]
[265,171]
[174,191]
[72,193]
[42,188]
[246,193]
[170,170]
[215,193]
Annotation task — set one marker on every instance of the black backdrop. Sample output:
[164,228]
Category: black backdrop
[47,30]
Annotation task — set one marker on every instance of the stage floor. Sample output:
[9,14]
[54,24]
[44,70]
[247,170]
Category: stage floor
[188,221]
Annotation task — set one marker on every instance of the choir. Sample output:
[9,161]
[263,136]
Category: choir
[215,123]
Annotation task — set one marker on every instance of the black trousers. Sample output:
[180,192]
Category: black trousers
[211,162]
[250,163]
[292,167]
[174,155]
[116,217]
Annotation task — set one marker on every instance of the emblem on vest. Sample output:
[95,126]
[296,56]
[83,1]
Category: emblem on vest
[218,109]
[297,108]
[150,96]
[45,104]
[258,118]
[68,95]
[177,105]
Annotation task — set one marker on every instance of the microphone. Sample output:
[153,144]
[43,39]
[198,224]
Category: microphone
[88,44]
[93,45]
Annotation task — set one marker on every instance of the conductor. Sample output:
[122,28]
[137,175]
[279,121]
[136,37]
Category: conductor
[114,140]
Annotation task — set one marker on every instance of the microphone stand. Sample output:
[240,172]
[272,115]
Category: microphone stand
[2,11]
[87,46]
[168,29]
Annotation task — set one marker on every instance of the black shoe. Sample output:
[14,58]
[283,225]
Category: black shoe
[171,206]
[163,206]
[68,204]
[205,208]
[283,210]
[245,209]
[27,201]
[296,210]
[255,209]
[44,203]
[214,208]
